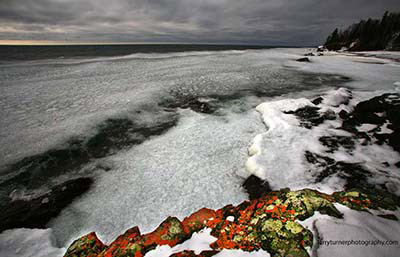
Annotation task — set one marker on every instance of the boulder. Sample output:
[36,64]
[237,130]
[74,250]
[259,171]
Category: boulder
[304,59]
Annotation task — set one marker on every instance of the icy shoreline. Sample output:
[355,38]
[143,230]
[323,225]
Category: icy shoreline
[364,85]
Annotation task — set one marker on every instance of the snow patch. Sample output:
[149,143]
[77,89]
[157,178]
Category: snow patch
[240,253]
[361,232]
[200,241]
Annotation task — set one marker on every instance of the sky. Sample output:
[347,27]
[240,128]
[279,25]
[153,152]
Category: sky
[259,22]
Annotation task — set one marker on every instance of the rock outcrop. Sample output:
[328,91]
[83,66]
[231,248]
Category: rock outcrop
[268,223]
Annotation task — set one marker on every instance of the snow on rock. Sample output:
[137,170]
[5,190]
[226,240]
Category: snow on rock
[328,144]
[284,138]
[28,243]
[267,224]
[200,241]
[359,234]
[240,253]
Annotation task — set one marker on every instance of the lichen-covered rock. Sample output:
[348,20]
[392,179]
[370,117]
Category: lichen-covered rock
[268,223]
[170,232]
[86,246]
[363,200]
[197,221]
[126,244]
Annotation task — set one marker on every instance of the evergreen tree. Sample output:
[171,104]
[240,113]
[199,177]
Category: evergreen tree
[371,34]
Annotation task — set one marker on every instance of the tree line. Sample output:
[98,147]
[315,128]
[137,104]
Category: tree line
[367,35]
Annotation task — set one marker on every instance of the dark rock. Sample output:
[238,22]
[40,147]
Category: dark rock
[304,59]
[198,106]
[309,54]
[397,164]
[388,216]
[37,212]
[334,142]
[344,115]
[317,100]
[256,187]
[194,104]
[366,112]
[329,115]
[309,116]
[353,173]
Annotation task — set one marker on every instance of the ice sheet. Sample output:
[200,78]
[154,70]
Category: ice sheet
[29,243]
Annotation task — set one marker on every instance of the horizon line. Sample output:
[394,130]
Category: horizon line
[67,43]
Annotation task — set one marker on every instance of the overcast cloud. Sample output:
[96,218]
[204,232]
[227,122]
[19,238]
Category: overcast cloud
[272,22]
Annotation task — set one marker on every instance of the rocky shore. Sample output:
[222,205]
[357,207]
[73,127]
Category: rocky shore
[270,222]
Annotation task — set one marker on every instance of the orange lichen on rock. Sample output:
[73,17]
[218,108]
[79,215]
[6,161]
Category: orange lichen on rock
[126,243]
[198,220]
[267,223]
[86,246]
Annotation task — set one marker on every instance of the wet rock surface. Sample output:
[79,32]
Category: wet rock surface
[310,116]
[37,212]
[267,223]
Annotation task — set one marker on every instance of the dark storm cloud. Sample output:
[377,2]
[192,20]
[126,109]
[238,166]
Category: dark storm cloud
[289,22]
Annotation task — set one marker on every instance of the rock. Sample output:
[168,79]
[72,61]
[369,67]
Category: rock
[388,216]
[124,244]
[255,187]
[268,223]
[305,59]
[329,115]
[344,115]
[334,142]
[309,116]
[35,213]
[170,232]
[88,245]
[378,111]
[309,54]
[195,104]
[317,100]
[197,221]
